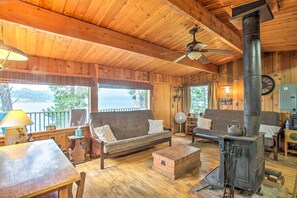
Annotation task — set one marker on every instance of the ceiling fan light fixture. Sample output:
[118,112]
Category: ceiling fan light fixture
[11,53]
[194,55]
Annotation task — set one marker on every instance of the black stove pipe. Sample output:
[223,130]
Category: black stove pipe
[252,73]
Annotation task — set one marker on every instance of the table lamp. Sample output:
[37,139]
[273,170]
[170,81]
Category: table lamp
[15,123]
[2,129]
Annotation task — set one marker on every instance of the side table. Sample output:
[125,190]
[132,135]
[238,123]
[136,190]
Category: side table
[77,153]
[290,137]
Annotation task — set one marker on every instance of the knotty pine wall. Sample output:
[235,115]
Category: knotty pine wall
[281,66]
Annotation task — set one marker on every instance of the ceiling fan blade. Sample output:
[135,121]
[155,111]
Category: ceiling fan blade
[204,60]
[200,46]
[217,51]
[180,58]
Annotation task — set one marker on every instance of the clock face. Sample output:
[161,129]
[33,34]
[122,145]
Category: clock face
[267,85]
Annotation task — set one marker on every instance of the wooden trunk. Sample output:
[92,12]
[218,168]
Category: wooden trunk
[174,161]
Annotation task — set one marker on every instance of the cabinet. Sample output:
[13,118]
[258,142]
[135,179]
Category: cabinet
[290,137]
[191,123]
[288,96]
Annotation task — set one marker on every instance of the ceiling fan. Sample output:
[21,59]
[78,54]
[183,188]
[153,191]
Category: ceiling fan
[196,49]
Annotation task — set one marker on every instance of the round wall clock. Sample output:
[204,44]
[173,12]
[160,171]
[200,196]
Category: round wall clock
[268,85]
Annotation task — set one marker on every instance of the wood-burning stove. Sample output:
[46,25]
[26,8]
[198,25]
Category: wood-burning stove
[250,169]
[250,166]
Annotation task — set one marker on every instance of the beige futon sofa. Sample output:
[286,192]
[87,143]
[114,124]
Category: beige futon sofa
[130,129]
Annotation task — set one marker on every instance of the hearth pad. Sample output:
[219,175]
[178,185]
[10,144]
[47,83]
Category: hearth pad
[200,191]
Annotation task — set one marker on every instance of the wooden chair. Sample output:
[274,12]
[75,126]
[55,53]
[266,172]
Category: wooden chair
[77,117]
[15,135]
[79,191]
[81,185]
[295,188]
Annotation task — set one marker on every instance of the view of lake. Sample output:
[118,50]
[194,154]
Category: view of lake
[108,98]
[32,106]
[110,103]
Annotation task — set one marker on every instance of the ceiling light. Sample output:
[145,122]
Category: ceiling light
[11,53]
[194,55]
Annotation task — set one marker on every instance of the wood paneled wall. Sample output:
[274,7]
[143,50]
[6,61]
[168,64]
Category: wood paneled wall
[281,66]
[199,78]
[121,73]
[40,65]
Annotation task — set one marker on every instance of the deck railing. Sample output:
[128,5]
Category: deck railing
[42,119]
[119,109]
[59,118]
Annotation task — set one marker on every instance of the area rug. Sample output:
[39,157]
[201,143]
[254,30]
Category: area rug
[268,192]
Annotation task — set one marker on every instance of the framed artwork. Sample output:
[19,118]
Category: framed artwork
[226,101]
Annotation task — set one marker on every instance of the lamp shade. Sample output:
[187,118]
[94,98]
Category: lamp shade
[194,55]
[16,118]
[11,53]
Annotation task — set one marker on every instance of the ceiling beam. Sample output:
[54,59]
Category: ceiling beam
[197,13]
[29,15]
[273,4]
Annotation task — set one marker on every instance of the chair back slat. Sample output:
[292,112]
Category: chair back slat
[81,185]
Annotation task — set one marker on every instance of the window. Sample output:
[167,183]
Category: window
[44,104]
[115,99]
[199,99]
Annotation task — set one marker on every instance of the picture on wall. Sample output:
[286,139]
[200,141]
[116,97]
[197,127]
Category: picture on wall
[226,101]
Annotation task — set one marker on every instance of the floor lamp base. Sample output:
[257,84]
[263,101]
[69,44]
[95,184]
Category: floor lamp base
[180,134]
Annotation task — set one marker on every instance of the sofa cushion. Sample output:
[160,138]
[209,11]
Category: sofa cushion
[155,126]
[222,118]
[104,133]
[269,142]
[126,144]
[268,130]
[204,123]
[123,124]
[208,134]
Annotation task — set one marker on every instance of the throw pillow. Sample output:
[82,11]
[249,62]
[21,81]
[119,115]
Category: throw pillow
[105,134]
[155,126]
[268,130]
[204,123]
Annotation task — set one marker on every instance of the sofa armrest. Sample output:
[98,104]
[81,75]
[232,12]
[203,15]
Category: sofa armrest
[94,139]
[166,129]
[97,146]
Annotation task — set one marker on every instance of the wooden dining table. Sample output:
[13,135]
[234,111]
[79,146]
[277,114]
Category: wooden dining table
[32,169]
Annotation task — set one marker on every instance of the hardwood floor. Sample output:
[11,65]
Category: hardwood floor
[132,175]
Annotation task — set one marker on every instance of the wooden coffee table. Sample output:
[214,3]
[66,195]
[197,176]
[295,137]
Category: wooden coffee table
[173,162]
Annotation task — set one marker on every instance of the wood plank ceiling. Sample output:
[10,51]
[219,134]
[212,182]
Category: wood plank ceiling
[153,21]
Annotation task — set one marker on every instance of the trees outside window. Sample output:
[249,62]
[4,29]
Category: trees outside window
[199,99]
[68,97]
[5,97]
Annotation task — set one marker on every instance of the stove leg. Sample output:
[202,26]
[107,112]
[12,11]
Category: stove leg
[204,187]
[258,192]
